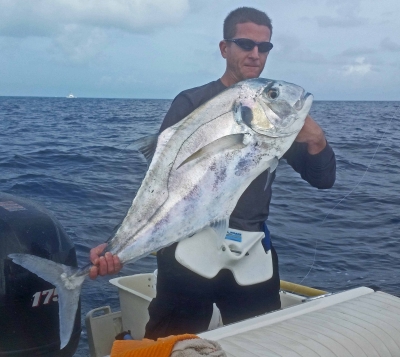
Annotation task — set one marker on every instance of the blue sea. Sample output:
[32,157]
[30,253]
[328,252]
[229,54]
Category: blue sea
[74,157]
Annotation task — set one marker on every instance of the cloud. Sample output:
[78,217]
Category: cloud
[342,22]
[388,45]
[79,30]
[347,15]
[22,18]
[359,67]
[77,44]
[358,51]
[291,49]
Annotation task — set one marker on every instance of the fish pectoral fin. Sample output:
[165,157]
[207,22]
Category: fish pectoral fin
[273,165]
[229,142]
[147,146]
[220,227]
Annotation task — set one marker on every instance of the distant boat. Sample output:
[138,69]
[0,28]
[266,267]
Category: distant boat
[70,95]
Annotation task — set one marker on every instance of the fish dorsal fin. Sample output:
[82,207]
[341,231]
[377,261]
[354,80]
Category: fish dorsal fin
[271,169]
[233,141]
[147,146]
[220,227]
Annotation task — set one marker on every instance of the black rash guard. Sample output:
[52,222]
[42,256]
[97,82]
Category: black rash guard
[252,208]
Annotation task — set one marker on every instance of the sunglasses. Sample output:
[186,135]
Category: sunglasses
[247,44]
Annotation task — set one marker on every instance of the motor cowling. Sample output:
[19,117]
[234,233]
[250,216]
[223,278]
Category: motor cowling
[29,323]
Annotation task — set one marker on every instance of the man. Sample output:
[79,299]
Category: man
[185,297]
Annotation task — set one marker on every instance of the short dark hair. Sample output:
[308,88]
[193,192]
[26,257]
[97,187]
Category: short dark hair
[242,15]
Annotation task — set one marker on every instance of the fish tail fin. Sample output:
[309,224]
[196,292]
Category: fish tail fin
[68,282]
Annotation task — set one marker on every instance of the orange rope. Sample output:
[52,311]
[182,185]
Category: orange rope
[147,348]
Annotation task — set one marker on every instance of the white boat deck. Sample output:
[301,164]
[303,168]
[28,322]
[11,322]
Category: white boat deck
[355,323]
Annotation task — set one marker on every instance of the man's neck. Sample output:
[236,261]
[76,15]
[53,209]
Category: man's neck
[228,80]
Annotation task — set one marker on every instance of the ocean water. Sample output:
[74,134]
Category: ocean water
[73,157]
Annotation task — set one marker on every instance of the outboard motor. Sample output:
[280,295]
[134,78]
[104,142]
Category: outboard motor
[29,324]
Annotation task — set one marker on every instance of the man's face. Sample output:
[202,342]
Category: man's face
[243,64]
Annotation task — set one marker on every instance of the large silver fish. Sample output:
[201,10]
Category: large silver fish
[199,169]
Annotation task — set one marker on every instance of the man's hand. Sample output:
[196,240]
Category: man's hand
[312,134]
[103,265]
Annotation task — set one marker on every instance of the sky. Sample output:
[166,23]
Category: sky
[337,50]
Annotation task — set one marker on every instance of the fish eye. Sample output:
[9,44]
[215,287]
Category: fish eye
[273,93]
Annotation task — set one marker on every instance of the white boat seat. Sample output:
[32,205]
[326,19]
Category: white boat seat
[366,324]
